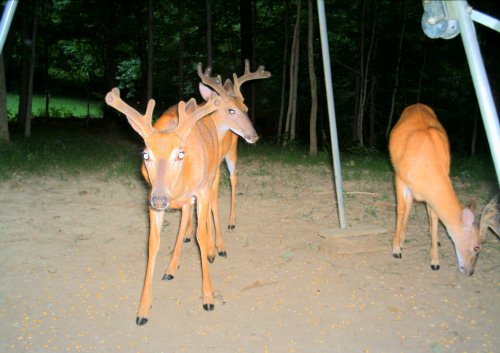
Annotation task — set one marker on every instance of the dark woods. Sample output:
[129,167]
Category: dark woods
[381,61]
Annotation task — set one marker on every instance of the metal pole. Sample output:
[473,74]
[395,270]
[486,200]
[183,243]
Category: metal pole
[8,14]
[483,91]
[331,113]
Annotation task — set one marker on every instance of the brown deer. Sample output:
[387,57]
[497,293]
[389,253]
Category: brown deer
[231,120]
[180,163]
[420,154]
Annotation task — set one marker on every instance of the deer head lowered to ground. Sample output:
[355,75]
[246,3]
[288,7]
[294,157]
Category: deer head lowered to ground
[231,119]
[180,163]
[420,154]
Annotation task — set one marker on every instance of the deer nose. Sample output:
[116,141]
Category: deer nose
[252,138]
[159,203]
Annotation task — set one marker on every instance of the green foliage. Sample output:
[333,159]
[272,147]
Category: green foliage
[129,72]
[88,52]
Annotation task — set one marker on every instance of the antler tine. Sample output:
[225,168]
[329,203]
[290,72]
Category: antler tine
[490,218]
[142,124]
[188,119]
[248,76]
[213,82]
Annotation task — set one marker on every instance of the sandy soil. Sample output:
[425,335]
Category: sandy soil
[73,257]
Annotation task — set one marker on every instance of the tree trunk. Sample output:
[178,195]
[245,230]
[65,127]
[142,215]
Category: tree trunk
[294,69]
[373,111]
[29,101]
[208,11]
[29,31]
[25,62]
[4,119]
[363,72]
[474,133]
[246,47]
[313,139]
[149,83]
[283,73]
[181,49]
[398,64]
[109,44]
[421,72]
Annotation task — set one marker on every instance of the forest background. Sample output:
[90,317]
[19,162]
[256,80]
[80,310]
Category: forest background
[381,62]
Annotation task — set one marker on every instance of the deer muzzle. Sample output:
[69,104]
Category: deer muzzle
[252,137]
[160,202]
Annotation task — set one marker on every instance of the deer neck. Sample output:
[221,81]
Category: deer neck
[445,203]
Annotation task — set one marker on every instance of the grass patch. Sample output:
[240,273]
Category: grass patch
[59,107]
[63,147]
[78,146]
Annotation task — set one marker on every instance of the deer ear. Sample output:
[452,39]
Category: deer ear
[205,92]
[191,106]
[467,217]
[228,87]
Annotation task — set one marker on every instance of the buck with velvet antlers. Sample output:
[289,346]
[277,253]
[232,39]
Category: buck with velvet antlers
[420,154]
[231,119]
[180,163]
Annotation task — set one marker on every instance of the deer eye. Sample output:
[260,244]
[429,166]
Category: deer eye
[146,156]
[231,111]
[180,155]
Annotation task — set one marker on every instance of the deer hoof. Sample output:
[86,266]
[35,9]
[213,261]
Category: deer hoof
[397,255]
[211,259]
[140,321]
[207,307]
[167,277]
[222,254]
[231,226]
[435,267]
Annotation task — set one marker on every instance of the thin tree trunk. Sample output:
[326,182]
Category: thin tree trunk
[474,133]
[364,68]
[421,72]
[208,10]
[292,99]
[4,119]
[25,63]
[149,83]
[293,123]
[181,49]
[29,100]
[358,114]
[313,117]
[283,73]
[398,64]
[246,48]
[373,110]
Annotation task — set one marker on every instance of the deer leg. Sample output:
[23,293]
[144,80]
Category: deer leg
[186,215]
[203,210]
[404,200]
[156,221]
[214,206]
[230,158]
[433,230]
[188,234]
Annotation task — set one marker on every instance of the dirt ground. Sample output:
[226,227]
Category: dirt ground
[73,253]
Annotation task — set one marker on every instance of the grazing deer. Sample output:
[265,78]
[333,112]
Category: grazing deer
[180,163]
[231,120]
[420,154]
